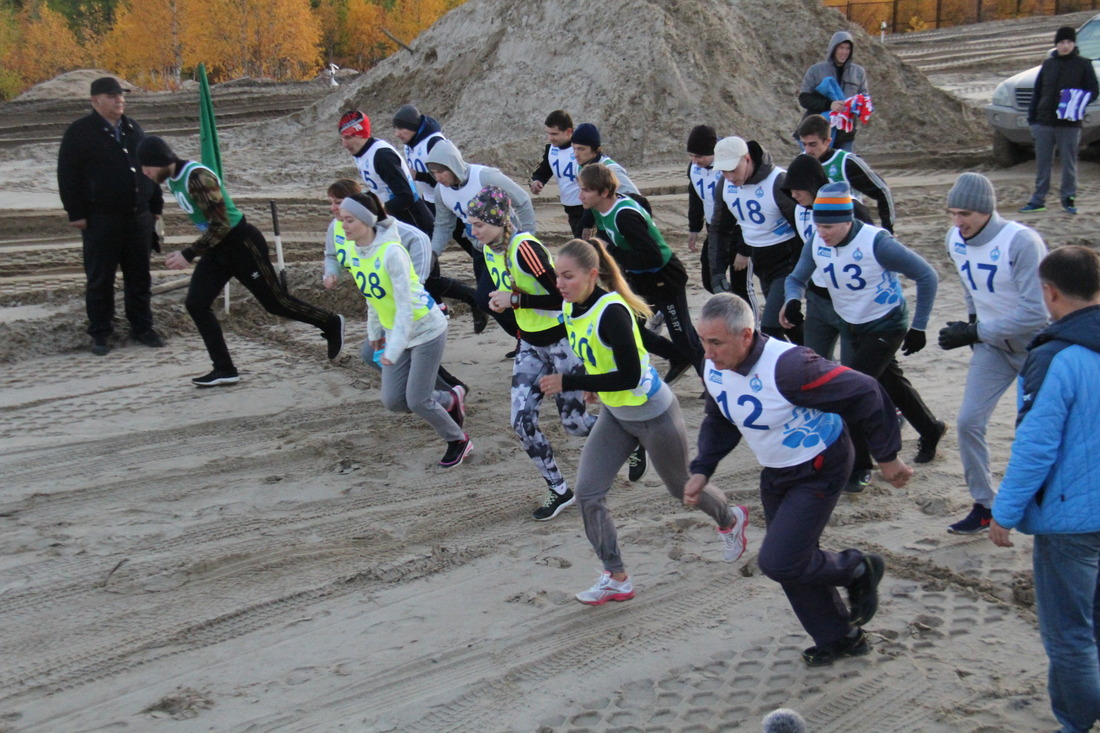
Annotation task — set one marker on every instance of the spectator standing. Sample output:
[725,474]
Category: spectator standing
[113,205]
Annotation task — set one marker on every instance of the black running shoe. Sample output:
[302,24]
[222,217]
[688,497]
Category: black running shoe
[457,450]
[863,592]
[849,646]
[858,481]
[480,319]
[553,505]
[676,369]
[512,354]
[334,334]
[638,464]
[215,378]
[926,446]
[100,346]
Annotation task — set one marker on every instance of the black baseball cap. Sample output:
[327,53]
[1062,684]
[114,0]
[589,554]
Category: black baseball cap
[107,85]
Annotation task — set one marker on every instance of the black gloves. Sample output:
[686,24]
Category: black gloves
[914,342]
[958,334]
[792,311]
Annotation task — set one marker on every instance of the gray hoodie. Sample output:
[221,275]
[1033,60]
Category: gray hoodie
[853,79]
[445,153]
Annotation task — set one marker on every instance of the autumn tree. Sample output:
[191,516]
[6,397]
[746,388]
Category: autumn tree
[407,19]
[273,38]
[366,43]
[145,45]
[42,47]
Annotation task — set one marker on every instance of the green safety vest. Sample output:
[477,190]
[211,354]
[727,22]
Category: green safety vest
[606,222]
[506,274]
[178,187]
[584,339]
[374,281]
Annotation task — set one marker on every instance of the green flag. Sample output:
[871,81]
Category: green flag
[208,128]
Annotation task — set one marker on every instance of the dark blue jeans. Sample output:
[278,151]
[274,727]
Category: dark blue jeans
[1067,569]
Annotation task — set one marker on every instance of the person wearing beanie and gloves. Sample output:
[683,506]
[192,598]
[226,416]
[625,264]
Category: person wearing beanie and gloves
[753,221]
[836,72]
[229,247]
[404,320]
[114,206]
[1063,89]
[797,412]
[456,183]
[842,166]
[560,162]
[384,172]
[998,264]
[525,282]
[823,328]
[703,178]
[860,264]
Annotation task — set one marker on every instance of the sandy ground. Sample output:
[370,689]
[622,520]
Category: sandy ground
[284,554]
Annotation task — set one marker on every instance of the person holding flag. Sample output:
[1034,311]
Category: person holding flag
[229,247]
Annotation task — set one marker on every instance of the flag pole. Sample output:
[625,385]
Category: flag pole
[208,140]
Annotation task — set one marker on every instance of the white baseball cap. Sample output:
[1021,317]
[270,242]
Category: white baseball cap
[728,152]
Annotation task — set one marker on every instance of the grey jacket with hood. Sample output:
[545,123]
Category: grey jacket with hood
[851,77]
[445,153]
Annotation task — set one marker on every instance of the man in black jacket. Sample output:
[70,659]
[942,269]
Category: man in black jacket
[113,205]
[1065,86]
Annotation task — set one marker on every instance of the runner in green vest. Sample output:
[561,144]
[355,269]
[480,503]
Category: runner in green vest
[525,282]
[650,267]
[229,247]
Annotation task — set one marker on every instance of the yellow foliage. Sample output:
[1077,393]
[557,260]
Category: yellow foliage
[42,46]
[257,38]
[150,58]
[365,42]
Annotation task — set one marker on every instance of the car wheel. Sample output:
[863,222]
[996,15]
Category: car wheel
[1007,153]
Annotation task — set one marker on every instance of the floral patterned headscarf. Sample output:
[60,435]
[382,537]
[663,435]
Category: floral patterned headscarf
[491,205]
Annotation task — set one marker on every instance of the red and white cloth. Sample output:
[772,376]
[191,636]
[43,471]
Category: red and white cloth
[857,108]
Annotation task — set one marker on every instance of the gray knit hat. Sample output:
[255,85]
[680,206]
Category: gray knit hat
[972,192]
[407,117]
[784,720]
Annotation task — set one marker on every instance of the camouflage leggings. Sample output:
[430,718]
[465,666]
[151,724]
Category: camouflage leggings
[531,364]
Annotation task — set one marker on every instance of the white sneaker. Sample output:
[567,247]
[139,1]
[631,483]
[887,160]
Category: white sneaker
[733,539]
[607,589]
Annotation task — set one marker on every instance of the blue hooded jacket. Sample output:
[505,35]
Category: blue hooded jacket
[1052,485]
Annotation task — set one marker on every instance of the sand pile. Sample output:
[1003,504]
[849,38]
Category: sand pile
[644,72]
[70,85]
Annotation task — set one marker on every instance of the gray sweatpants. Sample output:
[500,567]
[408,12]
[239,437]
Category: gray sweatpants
[991,372]
[608,446]
[1065,139]
[408,385]
[531,364]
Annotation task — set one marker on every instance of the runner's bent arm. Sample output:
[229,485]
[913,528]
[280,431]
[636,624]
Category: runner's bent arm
[893,255]
[390,169]
[536,263]
[206,192]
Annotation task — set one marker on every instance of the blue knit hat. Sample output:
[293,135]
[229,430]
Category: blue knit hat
[586,134]
[833,204]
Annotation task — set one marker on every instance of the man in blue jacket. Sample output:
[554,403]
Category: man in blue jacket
[1051,487]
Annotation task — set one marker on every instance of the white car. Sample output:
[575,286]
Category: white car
[1007,114]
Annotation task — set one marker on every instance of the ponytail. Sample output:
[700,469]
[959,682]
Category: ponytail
[592,255]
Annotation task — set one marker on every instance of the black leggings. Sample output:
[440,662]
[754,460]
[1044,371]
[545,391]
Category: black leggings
[243,255]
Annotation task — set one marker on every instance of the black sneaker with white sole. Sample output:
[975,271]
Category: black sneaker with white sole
[553,505]
[216,378]
[457,450]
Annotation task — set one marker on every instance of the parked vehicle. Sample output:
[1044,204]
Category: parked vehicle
[1007,114]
